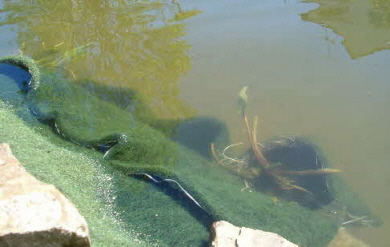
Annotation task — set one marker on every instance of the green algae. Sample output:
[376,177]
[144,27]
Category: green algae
[79,123]
[63,166]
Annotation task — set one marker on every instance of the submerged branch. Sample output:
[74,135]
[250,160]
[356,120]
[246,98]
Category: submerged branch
[309,172]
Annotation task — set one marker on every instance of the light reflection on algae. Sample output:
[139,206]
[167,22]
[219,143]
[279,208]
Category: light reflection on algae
[128,44]
[364,24]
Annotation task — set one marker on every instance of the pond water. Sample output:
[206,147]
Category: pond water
[318,69]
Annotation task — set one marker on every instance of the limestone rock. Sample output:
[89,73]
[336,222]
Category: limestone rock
[33,213]
[228,235]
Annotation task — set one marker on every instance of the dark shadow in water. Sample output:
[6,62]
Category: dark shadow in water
[198,133]
[17,74]
[298,154]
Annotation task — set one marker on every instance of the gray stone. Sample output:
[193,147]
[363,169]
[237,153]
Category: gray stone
[33,213]
[228,235]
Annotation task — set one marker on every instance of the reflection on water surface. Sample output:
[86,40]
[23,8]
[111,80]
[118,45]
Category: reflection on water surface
[138,45]
[364,24]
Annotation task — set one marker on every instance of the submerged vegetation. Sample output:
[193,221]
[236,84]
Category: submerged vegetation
[68,115]
[254,165]
[143,49]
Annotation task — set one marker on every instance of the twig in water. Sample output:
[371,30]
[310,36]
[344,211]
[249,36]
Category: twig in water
[353,220]
[247,186]
[172,181]
[363,219]
[106,153]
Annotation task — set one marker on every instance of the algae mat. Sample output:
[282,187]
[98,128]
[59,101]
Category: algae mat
[63,166]
[60,132]
[91,186]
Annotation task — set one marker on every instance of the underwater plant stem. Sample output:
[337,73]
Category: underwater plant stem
[283,182]
[252,140]
[309,172]
[215,155]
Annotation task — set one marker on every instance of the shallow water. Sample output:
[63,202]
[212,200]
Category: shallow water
[303,78]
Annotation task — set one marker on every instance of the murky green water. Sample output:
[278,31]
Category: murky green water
[315,72]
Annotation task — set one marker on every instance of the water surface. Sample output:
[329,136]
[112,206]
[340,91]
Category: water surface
[316,69]
[304,79]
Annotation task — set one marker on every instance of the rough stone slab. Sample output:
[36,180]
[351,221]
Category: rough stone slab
[33,213]
[225,234]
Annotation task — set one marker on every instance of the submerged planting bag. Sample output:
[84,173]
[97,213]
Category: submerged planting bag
[165,191]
